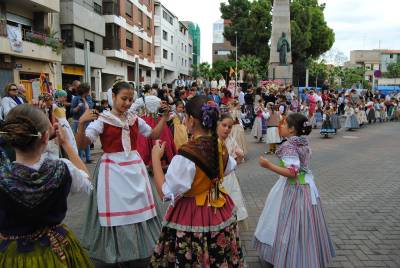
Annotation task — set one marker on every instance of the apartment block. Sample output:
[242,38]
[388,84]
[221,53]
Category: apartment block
[173,46]
[29,44]
[129,41]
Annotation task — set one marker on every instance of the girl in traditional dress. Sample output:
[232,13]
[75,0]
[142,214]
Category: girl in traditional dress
[327,128]
[273,119]
[148,107]
[377,108]
[351,118]
[122,223]
[335,118]
[291,231]
[260,126]
[200,228]
[370,112]
[231,183]
[59,112]
[178,120]
[318,117]
[33,195]
[237,132]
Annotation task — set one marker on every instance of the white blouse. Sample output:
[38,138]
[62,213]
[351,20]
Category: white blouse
[80,179]
[181,173]
[95,129]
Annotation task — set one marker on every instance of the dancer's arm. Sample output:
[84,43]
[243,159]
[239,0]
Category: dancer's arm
[155,134]
[285,172]
[81,140]
[159,177]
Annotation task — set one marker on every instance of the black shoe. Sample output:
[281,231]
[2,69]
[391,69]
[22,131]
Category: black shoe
[89,161]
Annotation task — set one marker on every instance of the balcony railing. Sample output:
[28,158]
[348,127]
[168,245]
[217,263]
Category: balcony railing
[43,40]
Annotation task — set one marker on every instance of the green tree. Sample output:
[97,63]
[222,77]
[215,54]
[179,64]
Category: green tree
[352,76]
[251,65]
[222,67]
[252,22]
[393,70]
[195,73]
[204,70]
[318,71]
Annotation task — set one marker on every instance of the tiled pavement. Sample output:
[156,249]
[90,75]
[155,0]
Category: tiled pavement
[358,175]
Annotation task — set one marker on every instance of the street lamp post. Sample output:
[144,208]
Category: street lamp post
[236,76]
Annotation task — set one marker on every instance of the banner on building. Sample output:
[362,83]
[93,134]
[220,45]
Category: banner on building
[15,38]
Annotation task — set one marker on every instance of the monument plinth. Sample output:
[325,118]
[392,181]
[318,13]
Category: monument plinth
[280,59]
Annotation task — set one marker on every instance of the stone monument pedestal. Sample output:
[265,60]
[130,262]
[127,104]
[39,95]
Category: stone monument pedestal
[281,72]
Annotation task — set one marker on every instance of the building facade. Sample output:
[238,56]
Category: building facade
[194,32]
[373,60]
[222,49]
[29,44]
[129,41]
[173,46]
[82,28]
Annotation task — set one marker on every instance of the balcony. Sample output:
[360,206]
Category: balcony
[75,56]
[47,6]
[35,45]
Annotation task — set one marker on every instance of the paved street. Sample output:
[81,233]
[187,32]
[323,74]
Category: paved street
[358,175]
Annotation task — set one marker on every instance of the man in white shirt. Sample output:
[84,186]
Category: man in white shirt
[241,97]
[221,83]
[214,83]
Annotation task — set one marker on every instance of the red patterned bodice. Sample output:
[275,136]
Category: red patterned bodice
[111,138]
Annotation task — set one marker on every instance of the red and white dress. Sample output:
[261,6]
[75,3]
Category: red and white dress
[123,205]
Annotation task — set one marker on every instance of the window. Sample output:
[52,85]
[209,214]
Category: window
[158,73]
[129,38]
[128,8]
[165,54]
[185,48]
[148,49]
[168,17]
[148,24]
[140,14]
[165,35]
[68,38]
[97,8]
[182,62]
[391,56]
[140,44]
[181,46]
[91,45]
[185,63]
[172,39]
[172,57]
[148,73]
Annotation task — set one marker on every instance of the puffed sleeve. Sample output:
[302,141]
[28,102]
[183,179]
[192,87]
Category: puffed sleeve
[179,177]
[80,179]
[93,130]
[144,128]
[230,166]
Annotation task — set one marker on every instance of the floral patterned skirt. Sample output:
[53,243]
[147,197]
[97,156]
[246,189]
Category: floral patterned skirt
[198,249]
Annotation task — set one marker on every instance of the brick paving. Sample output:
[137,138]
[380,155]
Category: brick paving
[358,176]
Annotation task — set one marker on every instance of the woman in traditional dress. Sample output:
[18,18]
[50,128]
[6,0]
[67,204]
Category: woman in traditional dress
[231,183]
[237,132]
[200,228]
[291,231]
[351,118]
[33,195]
[327,128]
[148,107]
[122,223]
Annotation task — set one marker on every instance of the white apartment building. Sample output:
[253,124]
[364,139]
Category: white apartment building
[173,46]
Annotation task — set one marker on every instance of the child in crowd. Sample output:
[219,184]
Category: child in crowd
[273,119]
[231,183]
[383,111]
[59,112]
[304,109]
[179,129]
[259,126]
[292,232]
[335,118]
[33,195]
[200,229]
[377,108]
[237,132]
[318,117]
[370,112]
[327,128]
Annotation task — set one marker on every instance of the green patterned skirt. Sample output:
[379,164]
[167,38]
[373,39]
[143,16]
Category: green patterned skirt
[44,256]
[124,243]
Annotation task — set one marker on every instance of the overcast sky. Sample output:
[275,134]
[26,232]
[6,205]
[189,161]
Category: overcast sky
[358,24]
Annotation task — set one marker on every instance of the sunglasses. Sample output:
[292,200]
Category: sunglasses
[13,89]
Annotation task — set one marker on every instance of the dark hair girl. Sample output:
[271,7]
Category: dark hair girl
[195,175]
[300,124]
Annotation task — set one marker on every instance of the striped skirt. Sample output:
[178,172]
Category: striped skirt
[302,239]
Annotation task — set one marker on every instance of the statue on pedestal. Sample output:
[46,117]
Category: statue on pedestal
[283,49]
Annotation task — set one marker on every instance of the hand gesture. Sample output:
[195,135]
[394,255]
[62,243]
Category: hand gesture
[165,108]
[88,115]
[158,149]
[265,163]
[60,134]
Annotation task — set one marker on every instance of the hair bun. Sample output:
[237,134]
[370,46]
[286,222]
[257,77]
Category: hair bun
[307,128]
[210,114]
